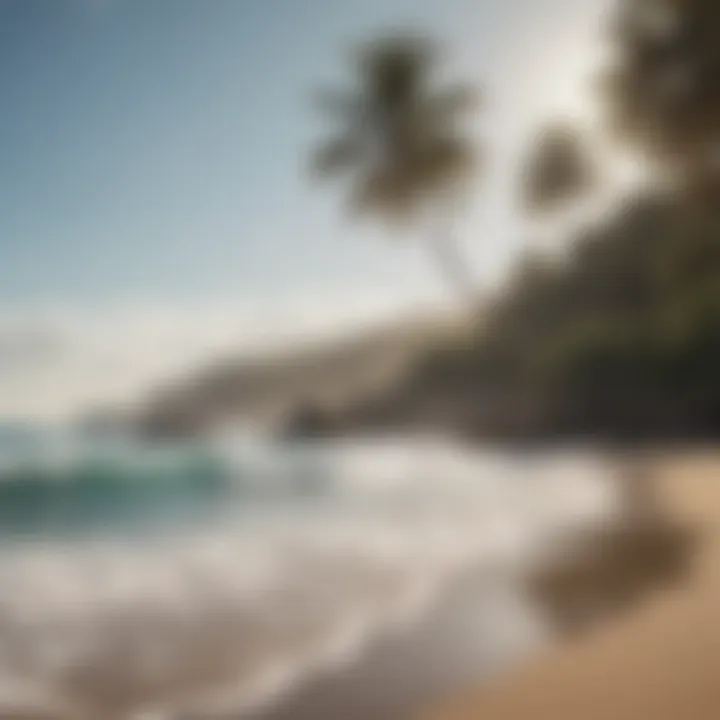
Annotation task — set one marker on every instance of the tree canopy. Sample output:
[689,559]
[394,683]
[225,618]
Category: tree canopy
[400,135]
[662,84]
[558,170]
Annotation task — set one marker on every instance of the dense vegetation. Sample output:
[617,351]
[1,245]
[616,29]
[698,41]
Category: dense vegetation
[621,337]
[618,337]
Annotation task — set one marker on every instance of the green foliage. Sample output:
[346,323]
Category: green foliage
[399,138]
[401,146]
[558,169]
[663,84]
[623,337]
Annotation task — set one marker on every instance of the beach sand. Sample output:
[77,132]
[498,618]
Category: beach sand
[657,657]
[617,625]
[485,624]
[479,624]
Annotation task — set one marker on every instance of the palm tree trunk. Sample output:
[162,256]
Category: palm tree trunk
[453,266]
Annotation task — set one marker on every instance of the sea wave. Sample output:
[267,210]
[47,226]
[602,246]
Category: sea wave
[308,551]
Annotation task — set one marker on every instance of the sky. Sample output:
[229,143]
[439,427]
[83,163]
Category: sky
[155,208]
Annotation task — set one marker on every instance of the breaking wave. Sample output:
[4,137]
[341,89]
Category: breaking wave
[172,580]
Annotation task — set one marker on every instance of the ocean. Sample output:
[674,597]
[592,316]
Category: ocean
[209,580]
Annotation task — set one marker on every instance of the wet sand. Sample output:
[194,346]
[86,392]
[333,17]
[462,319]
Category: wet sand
[486,624]
[480,625]
[490,621]
[656,656]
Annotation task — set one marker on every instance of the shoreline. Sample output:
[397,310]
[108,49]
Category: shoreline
[431,660]
[482,623]
[643,550]
[656,656]
[475,627]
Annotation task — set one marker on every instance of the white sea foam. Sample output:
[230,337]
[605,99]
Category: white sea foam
[230,611]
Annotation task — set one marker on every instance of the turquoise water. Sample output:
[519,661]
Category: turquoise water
[65,484]
[102,493]
[137,578]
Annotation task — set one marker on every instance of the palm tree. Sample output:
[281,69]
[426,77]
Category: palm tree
[559,173]
[401,147]
[558,170]
[662,86]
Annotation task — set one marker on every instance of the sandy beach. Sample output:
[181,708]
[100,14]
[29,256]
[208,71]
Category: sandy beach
[658,658]
[598,619]
[649,569]
[652,560]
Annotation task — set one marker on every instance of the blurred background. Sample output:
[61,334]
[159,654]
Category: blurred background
[349,352]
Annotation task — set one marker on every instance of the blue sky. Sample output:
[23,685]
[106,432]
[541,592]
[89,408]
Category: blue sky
[152,151]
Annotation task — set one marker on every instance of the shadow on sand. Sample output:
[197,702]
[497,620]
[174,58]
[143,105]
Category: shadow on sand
[642,551]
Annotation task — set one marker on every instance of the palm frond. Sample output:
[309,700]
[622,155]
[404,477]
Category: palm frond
[399,134]
[395,69]
[386,195]
[559,169]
